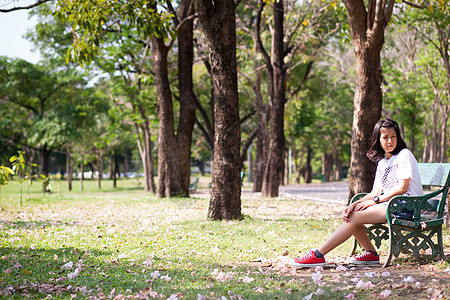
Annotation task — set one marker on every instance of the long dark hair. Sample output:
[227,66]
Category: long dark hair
[376,153]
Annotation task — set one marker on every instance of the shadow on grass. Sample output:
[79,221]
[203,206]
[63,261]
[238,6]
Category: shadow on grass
[29,224]
[40,273]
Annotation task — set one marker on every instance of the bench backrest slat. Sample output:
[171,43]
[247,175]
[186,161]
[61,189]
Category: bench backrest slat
[435,174]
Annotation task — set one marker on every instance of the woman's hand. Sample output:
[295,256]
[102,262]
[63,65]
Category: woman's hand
[364,205]
[347,211]
[357,206]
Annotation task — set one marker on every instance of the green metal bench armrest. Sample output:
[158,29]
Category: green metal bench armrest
[415,203]
[357,197]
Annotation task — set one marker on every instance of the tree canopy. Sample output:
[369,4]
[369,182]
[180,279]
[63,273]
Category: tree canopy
[299,87]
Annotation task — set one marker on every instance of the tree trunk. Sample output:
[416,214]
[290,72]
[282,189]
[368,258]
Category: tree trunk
[308,168]
[168,184]
[327,167]
[68,169]
[434,139]
[149,164]
[445,109]
[367,111]
[367,32]
[218,21]
[250,164]
[45,154]
[81,172]
[286,169]
[187,98]
[260,159]
[273,172]
[145,151]
[115,169]
[262,138]
[100,168]
[111,167]
[125,163]
[426,147]
[338,169]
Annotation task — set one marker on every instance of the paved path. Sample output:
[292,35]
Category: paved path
[334,192]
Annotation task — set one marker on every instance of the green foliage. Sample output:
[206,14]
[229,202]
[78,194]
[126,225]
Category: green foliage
[46,183]
[5,174]
[90,20]
[24,171]
[414,74]
[48,106]
[42,104]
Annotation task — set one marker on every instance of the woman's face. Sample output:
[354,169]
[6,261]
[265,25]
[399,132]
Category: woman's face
[388,140]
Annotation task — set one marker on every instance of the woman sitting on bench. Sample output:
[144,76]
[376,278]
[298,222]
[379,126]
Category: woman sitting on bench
[397,174]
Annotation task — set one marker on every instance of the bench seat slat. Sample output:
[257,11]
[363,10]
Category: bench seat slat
[412,224]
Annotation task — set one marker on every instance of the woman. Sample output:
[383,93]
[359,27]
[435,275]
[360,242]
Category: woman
[397,174]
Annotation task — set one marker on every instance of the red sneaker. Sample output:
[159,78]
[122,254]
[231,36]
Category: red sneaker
[308,260]
[366,258]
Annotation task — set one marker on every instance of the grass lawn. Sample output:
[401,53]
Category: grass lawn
[124,243]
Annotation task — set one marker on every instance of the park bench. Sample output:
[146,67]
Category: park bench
[414,223]
[193,185]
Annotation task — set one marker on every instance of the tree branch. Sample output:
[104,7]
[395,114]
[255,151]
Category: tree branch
[371,13]
[39,2]
[259,45]
[415,5]
[24,105]
[388,11]
[193,16]
[171,9]
[248,116]
[205,134]
[247,144]
[289,47]
[205,118]
[300,86]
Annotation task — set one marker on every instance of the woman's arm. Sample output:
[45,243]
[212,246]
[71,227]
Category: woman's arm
[360,203]
[400,189]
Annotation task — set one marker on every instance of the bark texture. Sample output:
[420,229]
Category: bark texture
[187,97]
[168,184]
[218,22]
[262,139]
[274,167]
[367,28]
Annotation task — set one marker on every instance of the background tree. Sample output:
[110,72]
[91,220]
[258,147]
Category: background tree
[48,102]
[403,100]
[435,34]
[311,27]
[172,143]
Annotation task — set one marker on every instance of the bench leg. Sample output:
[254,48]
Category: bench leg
[355,246]
[387,262]
[440,244]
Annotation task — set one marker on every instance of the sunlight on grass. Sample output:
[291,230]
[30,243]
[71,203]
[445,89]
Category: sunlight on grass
[130,243]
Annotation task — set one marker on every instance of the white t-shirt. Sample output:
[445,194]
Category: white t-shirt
[400,166]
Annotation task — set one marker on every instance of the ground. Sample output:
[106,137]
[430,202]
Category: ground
[130,244]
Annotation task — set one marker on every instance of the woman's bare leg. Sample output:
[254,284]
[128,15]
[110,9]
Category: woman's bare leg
[371,215]
[361,236]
